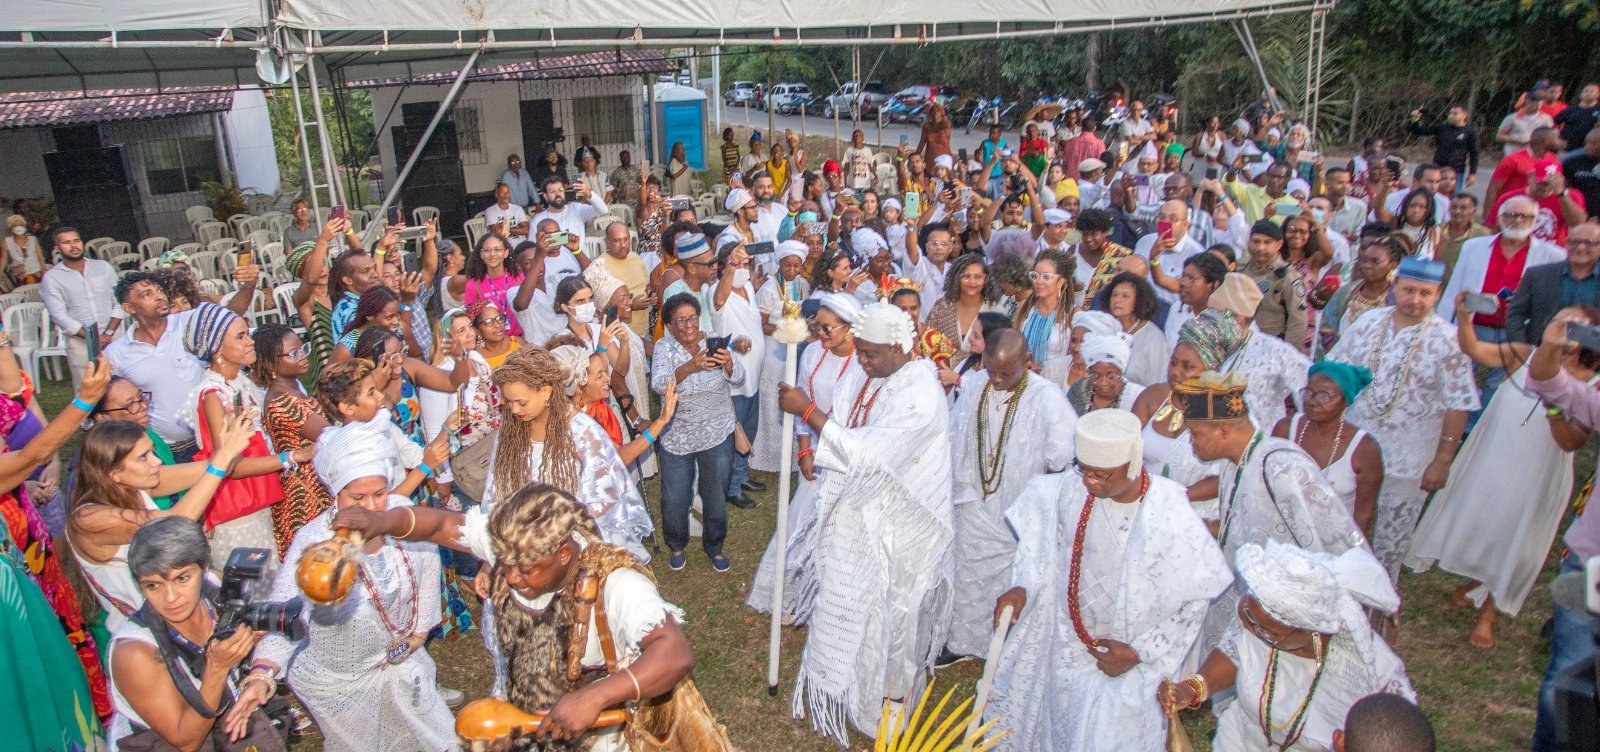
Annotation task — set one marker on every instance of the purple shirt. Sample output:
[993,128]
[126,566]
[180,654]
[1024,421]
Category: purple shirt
[1581,403]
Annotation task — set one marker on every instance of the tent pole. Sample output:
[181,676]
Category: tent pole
[427,133]
[308,180]
[329,173]
[716,84]
[650,112]
[1319,27]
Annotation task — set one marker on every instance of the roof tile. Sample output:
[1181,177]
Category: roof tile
[35,109]
[587,65]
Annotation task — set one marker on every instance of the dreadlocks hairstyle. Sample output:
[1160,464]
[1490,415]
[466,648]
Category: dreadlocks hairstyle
[269,347]
[523,529]
[1065,265]
[534,368]
[338,384]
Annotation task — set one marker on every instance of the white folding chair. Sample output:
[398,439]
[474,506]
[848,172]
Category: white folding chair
[422,214]
[153,247]
[25,322]
[283,296]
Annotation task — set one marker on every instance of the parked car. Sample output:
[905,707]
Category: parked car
[787,99]
[741,92]
[684,79]
[856,100]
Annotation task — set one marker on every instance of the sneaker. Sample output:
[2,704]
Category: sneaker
[453,698]
[947,659]
[677,561]
[720,563]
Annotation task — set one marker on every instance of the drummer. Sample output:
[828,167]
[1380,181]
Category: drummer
[543,546]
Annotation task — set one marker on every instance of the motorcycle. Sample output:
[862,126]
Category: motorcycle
[904,110]
[995,111]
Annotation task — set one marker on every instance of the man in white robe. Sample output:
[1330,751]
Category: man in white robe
[1268,488]
[1422,390]
[1274,370]
[883,556]
[1027,430]
[1082,663]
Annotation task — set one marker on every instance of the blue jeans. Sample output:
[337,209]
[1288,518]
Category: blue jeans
[1492,376]
[746,410]
[1571,643]
[677,494]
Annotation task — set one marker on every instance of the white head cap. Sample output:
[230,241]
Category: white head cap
[885,324]
[1110,438]
[944,160]
[1316,590]
[867,242]
[1097,322]
[1105,348]
[844,305]
[350,452]
[795,248]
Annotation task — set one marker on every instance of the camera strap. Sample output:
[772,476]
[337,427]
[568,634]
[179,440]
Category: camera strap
[173,653]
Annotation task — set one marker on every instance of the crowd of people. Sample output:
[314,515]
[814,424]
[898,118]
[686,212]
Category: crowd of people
[1171,418]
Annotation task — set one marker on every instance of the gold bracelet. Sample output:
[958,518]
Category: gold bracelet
[637,692]
[413,516]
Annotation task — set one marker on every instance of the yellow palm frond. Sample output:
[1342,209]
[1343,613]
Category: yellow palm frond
[919,730]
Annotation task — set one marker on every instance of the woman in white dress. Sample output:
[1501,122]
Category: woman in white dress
[1519,451]
[789,284]
[1132,301]
[1106,385]
[825,363]
[1350,459]
[1045,318]
[363,670]
[629,386]
[734,315]
[23,259]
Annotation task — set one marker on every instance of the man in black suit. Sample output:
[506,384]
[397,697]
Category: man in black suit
[1548,288]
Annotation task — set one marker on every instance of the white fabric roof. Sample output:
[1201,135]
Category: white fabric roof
[50,45]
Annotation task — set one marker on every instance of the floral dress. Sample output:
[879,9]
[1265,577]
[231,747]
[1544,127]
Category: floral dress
[304,496]
[27,529]
[407,415]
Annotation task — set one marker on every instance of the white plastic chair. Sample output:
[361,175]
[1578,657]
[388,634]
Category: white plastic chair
[188,249]
[25,323]
[593,246]
[205,232]
[475,228]
[53,345]
[196,214]
[29,293]
[222,245]
[260,237]
[696,186]
[277,224]
[149,264]
[153,247]
[93,244]
[125,261]
[358,220]
[270,255]
[204,264]
[598,225]
[237,223]
[283,296]
[422,214]
[107,251]
[622,210]
[216,288]
[263,309]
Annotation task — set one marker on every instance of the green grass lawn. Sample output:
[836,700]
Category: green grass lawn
[1479,700]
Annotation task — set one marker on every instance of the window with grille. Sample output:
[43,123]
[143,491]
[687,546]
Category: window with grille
[469,131]
[179,165]
[605,120]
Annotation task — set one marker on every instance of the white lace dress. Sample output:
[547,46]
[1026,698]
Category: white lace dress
[1274,371]
[339,671]
[767,444]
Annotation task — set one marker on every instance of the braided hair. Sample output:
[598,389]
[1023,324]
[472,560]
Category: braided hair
[534,368]
[530,525]
[269,347]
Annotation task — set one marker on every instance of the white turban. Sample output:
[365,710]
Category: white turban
[885,324]
[844,305]
[1316,590]
[867,242]
[1299,185]
[893,203]
[350,452]
[1110,438]
[1148,152]
[1105,348]
[575,361]
[1242,125]
[737,198]
[795,248]
[944,160]
[604,283]
[1097,322]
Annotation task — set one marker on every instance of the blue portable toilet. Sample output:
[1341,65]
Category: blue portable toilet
[681,114]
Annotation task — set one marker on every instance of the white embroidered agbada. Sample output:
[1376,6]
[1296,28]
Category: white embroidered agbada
[1039,441]
[1273,370]
[1418,373]
[883,563]
[339,671]
[1149,570]
[1321,592]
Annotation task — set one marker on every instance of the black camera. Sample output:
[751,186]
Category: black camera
[1016,184]
[234,609]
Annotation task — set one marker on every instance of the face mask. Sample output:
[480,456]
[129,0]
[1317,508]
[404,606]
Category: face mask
[19,230]
[1517,233]
[583,313]
[1317,213]
[741,277]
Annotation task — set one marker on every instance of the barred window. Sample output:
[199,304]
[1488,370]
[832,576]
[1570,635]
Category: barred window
[605,120]
[469,131]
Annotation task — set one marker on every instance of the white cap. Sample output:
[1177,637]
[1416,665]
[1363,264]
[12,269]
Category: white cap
[1057,216]
[1090,165]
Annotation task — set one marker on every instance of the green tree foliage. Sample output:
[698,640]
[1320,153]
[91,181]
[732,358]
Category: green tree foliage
[352,138]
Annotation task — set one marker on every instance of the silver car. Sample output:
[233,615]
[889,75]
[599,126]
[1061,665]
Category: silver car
[741,92]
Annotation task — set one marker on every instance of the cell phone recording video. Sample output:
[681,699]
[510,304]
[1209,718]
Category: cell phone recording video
[91,333]
[394,215]
[760,249]
[715,345]
[1586,335]
[610,313]
[1483,303]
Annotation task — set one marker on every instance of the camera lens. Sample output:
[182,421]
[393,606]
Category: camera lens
[276,616]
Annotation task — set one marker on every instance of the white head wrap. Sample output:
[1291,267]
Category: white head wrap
[1097,322]
[844,305]
[1243,126]
[350,452]
[1316,590]
[867,242]
[737,198]
[575,361]
[1105,348]
[885,324]
[1300,185]
[944,160]
[604,283]
[1148,152]
[893,203]
[795,248]
[1110,438]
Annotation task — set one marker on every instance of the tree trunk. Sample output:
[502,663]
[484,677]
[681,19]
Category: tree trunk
[1091,66]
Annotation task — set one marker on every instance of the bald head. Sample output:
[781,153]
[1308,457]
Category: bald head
[1134,264]
[1005,356]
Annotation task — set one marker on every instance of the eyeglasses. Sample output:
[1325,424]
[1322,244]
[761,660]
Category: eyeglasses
[392,359]
[1046,276]
[701,263]
[826,330]
[299,353]
[683,320]
[1571,241]
[1111,377]
[498,320]
[138,404]
[1518,216]
[1318,396]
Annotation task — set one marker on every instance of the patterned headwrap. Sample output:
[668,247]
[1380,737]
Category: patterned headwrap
[296,260]
[574,360]
[172,258]
[207,327]
[1213,334]
[817,229]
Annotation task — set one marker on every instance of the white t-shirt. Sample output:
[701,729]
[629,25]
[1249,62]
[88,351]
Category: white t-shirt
[574,217]
[539,321]
[1171,261]
[494,216]
[1522,127]
[1136,127]
[166,370]
[859,163]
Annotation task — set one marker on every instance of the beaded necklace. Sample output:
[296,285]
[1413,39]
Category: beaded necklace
[1338,436]
[1404,372]
[859,412]
[811,381]
[990,473]
[1297,722]
[1073,609]
[383,613]
[1238,472]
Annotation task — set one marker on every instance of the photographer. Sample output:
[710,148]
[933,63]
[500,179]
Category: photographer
[173,634]
[1016,202]
[1455,144]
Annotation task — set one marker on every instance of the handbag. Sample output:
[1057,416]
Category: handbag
[237,497]
[470,468]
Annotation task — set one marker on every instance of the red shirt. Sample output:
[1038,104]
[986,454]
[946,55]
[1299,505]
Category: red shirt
[1551,224]
[1513,172]
[1503,274]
